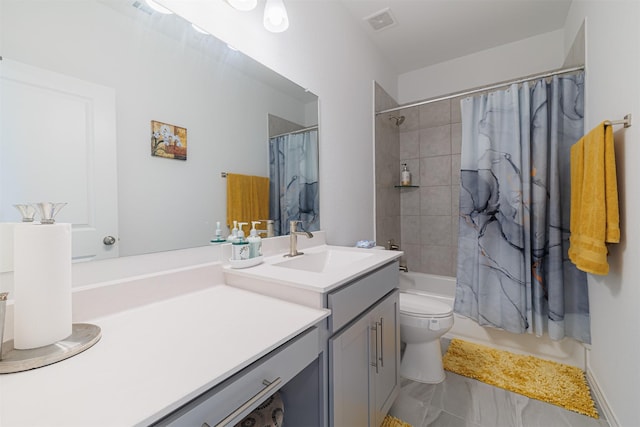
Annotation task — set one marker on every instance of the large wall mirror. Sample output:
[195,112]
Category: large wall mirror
[117,66]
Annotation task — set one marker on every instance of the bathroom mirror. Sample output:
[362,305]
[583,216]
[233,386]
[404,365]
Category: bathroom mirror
[157,68]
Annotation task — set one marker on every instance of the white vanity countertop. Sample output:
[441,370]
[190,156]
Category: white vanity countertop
[320,282]
[154,358]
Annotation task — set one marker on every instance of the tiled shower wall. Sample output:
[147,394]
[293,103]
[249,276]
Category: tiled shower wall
[429,142]
[430,139]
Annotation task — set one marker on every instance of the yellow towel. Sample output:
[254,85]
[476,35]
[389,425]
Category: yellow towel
[247,199]
[594,200]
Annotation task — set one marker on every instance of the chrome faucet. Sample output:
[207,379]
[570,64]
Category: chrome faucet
[293,238]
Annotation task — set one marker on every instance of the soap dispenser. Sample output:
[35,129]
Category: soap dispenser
[218,232]
[234,233]
[240,246]
[255,242]
[241,235]
[405,176]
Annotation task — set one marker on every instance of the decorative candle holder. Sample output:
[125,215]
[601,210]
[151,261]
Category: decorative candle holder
[27,212]
[48,211]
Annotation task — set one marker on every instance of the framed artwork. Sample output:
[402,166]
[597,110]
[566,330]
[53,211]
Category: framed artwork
[168,141]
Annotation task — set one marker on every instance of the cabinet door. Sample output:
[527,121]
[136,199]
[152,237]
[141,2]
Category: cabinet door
[349,373]
[385,383]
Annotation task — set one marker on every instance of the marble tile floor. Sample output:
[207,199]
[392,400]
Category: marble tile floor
[461,401]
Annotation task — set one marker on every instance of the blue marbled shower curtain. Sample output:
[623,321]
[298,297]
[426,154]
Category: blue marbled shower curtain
[513,268]
[293,181]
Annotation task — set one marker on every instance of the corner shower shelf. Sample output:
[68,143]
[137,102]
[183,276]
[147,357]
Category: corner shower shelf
[406,186]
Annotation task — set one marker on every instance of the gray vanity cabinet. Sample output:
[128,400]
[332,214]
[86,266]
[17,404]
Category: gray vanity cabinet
[364,355]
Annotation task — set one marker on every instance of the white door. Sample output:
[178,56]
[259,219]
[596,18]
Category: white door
[58,144]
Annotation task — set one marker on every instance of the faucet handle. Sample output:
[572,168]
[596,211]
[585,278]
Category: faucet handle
[293,225]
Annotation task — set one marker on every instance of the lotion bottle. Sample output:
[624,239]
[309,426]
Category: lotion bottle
[255,242]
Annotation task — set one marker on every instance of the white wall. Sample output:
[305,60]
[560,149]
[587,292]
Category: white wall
[326,52]
[518,59]
[612,91]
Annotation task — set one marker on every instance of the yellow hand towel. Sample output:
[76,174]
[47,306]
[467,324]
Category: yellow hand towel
[247,199]
[594,200]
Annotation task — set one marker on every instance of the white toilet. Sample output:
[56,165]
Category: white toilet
[423,321]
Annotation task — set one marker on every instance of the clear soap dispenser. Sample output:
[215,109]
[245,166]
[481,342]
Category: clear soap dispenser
[234,233]
[405,176]
[255,242]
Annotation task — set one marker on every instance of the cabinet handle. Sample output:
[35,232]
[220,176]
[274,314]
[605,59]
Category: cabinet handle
[381,344]
[374,328]
[270,386]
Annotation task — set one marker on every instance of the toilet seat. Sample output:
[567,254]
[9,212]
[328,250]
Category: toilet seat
[423,306]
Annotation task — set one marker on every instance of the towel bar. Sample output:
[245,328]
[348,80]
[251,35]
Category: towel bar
[626,121]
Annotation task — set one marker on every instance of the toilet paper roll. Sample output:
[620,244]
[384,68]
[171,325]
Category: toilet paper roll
[6,246]
[42,281]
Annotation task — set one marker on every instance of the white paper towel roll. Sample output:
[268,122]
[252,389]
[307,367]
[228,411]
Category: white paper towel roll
[42,280]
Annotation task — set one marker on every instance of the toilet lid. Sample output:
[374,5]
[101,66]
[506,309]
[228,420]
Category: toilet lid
[422,305]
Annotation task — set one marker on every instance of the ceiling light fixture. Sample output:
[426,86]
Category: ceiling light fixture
[158,8]
[275,16]
[243,5]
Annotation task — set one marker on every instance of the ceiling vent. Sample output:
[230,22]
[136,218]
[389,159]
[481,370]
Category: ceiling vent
[381,20]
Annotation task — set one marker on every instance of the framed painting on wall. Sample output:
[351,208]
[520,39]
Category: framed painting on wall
[168,141]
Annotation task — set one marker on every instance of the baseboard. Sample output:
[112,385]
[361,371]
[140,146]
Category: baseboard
[601,400]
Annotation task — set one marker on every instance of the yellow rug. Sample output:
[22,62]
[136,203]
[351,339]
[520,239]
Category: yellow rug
[390,421]
[551,382]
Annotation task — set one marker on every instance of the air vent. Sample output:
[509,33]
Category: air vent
[381,20]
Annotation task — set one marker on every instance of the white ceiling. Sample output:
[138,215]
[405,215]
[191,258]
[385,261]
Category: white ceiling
[428,32]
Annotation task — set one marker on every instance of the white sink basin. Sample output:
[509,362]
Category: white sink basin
[324,261]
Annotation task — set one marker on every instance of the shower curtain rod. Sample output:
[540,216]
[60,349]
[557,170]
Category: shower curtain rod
[485,88]
[296,131]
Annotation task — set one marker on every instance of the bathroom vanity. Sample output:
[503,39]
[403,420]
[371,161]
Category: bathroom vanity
[362,334]
[204,344]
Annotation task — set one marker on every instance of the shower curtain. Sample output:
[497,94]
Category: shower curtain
[293,188]
[513,270]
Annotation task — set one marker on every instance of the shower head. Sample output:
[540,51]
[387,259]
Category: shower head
[399,119]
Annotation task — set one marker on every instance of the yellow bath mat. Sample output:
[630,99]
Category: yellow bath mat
[390,421]
[544,380]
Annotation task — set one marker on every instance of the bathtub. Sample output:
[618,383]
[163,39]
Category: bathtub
[442,288]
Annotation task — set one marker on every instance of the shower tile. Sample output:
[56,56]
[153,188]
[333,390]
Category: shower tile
[455,224]
[435,114]
[413,256]
[455,200]
[410,230]
[409,201]
[455,170]
[456,138]
[410,144]
[435,141]
[435,230]
[435,200]
[411,119]
[437,259]
[456,116]
[435,171]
